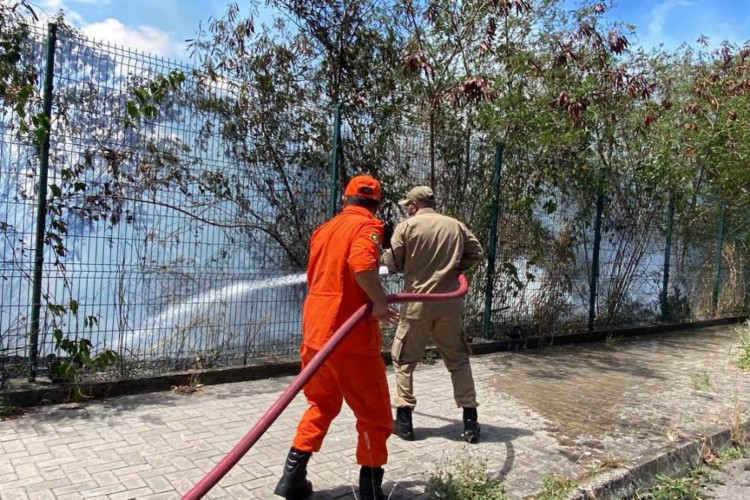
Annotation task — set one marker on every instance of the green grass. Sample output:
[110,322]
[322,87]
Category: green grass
[5,408]
[557,487]
[700,381]
[690,487]
[470,480]
[743,358]
[429,357]
[667,488]
[732,453]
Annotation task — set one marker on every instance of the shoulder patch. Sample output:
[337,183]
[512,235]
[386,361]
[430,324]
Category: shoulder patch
[375,237]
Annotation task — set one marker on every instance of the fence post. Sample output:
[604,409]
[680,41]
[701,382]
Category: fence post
[492,244]
[597,245]
[719,250]
[667,256]
[41,209]
[432,150]
[333,202]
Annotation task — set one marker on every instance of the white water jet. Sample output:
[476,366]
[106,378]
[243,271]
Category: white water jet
[228,294]
[227,313]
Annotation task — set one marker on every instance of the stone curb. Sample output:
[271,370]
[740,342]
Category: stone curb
[49,393]
[487,347]
[674,461]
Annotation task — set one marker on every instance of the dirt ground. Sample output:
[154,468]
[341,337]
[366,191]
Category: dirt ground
[733,481]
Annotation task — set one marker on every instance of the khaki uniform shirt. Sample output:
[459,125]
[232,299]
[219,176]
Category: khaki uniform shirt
[431,250]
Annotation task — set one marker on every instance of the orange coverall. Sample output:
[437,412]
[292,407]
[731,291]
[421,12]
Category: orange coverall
[355,372]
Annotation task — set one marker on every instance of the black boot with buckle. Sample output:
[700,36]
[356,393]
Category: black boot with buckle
[293,484]
[403,427]
[371,483]
[471,426]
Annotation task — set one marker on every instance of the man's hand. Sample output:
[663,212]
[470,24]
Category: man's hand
[369,281]
[385,313]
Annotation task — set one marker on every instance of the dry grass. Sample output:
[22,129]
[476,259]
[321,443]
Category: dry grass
[708,454]
[733,293]
[737,419]
[194,385]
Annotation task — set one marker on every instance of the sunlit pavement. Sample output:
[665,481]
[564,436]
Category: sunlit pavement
[574,411]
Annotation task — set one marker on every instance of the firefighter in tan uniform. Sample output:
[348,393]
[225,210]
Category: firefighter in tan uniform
[431,250]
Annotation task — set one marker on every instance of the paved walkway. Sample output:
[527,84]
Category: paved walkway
[573,410]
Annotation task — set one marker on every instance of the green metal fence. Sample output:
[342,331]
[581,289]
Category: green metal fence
[140,213]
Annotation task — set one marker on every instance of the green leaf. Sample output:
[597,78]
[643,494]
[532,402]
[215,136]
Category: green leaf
[20,109]
[149,111]
[58,334]
[41,135]
[141,95]
[133,110]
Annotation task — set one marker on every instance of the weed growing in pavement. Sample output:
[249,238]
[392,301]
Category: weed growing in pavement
[684,488]
[732,453]
[700,381]
[716,460]
[692,485]
[469,480]
[597,464]
[743,357]
[6,409]
[556,487]
[429,357]
[737,423]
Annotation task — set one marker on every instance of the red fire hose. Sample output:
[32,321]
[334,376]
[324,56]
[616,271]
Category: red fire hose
[268,418]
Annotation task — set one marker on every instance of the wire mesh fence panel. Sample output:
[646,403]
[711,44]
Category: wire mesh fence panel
[710,277]
[631,263]
[540,286]
[733,297]
[176,239]
[180,207]
[542,278]
[19,162]
[456,166]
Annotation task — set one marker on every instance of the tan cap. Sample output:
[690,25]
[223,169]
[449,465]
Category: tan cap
[419,194]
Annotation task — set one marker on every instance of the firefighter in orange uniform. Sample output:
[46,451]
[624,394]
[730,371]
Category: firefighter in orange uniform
[342,275]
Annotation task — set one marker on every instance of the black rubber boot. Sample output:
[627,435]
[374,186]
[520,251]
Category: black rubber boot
[371,483]
[404,428]
[471,426]
[293,484]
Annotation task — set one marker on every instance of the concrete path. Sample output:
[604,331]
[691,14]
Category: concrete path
[574,411]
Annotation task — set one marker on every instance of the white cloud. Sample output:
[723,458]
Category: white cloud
[672,23]
[660,13]
[50,8]
[143,38]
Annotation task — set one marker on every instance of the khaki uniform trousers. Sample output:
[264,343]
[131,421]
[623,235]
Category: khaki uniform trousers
[409,344]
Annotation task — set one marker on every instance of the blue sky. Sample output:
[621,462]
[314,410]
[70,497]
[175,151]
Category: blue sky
[161,26]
